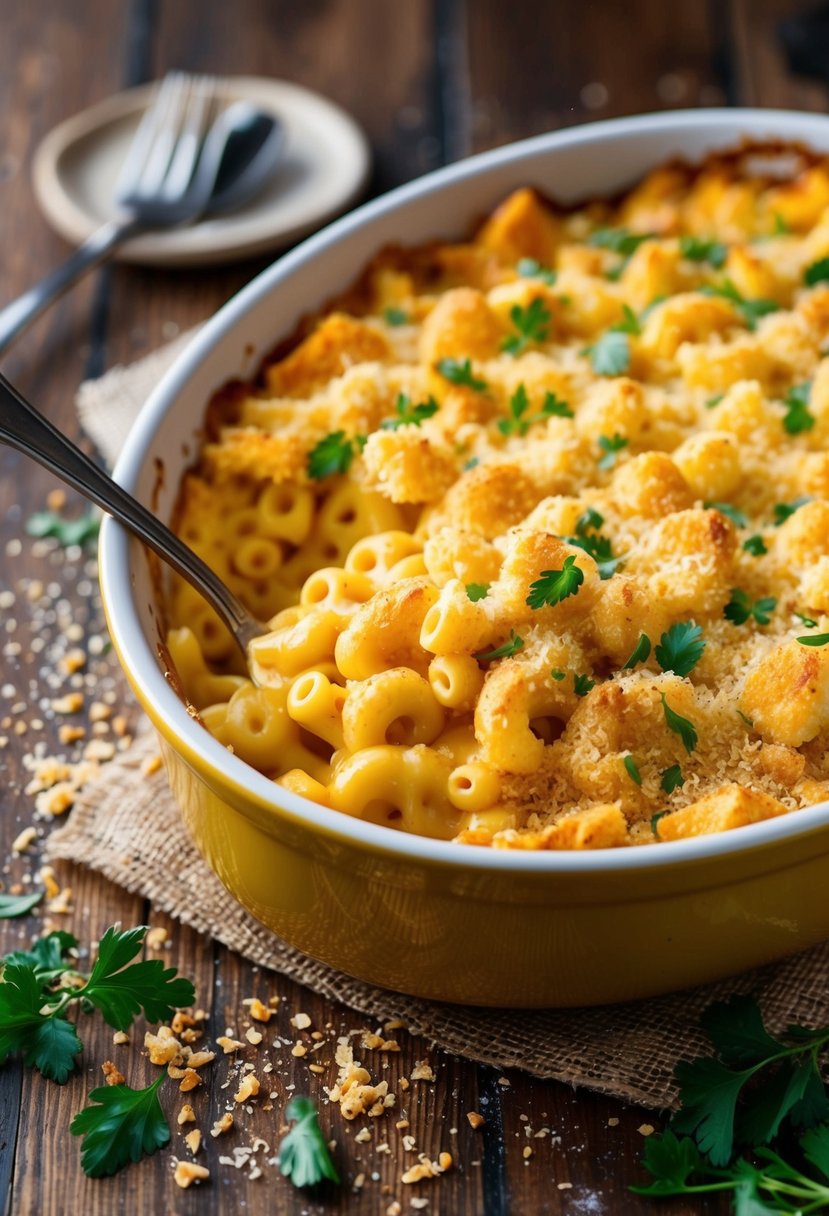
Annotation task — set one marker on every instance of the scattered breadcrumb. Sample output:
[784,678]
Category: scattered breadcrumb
[112,1074]
[646,1129]
[474,1119]
[301,1021]
[193,1140]
[260,1012]
[254,1036]
[422,1071]
[156,938]
[222,1125]
[187,1172]
[229,1045]
[120,1037]
[26,838]
[248,1088]
[186,1115]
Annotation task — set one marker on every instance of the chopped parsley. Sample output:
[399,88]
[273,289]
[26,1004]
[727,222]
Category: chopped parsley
[655,819]
[755,545]
[553,586]
[12,906]
[303,1153]
[798,417]
[332,455]
[680,648]
[459,371]
[557,675]
[740,608]
[610,448]
[471,463]
[736,516]
[632,769]
[554,407]
[641,652]
[123,1125]
[506,651]
[529,268]
[582,685]
[618,240]
[749,310]
[698,249]
[814,639]
[600,548]
[784,510]
[680,726]
[518,423]
[817,272]
[65,531]
[590,518]
[748,721]
[396,316]
[713,402]
[477,591]
[610,355]
[408,414]
[671,779]
[807,620]
[532,324]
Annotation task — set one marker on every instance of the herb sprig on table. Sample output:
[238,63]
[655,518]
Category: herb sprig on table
[737,1106]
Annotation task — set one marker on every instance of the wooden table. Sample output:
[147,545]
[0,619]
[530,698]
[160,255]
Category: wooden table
[430,82]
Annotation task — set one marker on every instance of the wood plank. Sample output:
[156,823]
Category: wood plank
[762,73]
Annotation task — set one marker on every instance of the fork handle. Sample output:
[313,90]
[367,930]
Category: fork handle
[18,316]
[22,427]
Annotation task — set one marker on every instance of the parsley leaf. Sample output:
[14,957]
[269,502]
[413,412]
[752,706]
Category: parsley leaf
[303,1153]
[798,417]
[47,954]
[672,779]
[120,992]
[610,355]
[749,310]
[516,424]
[784,510]
[46,1041]
[817,272]
[506,651]
[740,608]
[123,1126]
[755,545]
[680,726]
[582,685]
[680,648]
[408,414]
[601,550]
[459,371]
[554,407]
[18,905]
[531,323]
[333,454]
[557,675]
[65,531]
[736,516]
[807,620]
[712,402]
[813,639]
[698,249]
[632,769]
[641,652]
[553,586]
[529,268]
[395,316]
[618,240]
[611,447]
[477,591]
[591,518]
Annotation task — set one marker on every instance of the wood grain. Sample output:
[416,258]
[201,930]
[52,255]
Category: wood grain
[430,81]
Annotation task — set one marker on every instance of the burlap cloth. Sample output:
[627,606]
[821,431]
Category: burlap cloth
[127,827]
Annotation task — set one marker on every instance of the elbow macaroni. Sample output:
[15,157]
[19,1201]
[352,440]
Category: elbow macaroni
[480,506]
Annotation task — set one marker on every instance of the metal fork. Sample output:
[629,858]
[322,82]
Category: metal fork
[155,189]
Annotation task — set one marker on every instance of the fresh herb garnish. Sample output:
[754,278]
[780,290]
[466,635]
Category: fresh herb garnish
[303,1153]
[506,651]
[755,545]
[632,769]
[18,905]
[672,779]
[741,608]
[736,516]
[680,648]
[477,591]
[618,240]
[589,519]
[798,417]
[553,586]
[459,371]
[396,316]
[807,620]
[659,815]
[124,1125]
[600,548]
[814,639]
[784,510]
[749,310]
[553,407]
[641,652]
[332,455]
[471,463]
[712,402]
[748,721]
[32,1013]
[610,447]
[582,685]
[680,726]
[698,249]
[532,324]
[610,355]
[557,675]
[817,272]
[518,423]
[529,268]
[65,531]
[408,414]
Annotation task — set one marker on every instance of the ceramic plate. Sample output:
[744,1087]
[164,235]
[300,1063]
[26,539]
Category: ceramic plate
[325,167]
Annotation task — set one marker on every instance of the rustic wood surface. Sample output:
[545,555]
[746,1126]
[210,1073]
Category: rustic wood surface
[430,82]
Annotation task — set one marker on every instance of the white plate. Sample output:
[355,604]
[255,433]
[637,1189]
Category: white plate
[325,167]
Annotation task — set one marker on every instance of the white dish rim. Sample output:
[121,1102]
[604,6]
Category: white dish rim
[137,654]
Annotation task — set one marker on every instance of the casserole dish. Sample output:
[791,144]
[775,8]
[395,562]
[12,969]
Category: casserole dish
[419,915]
